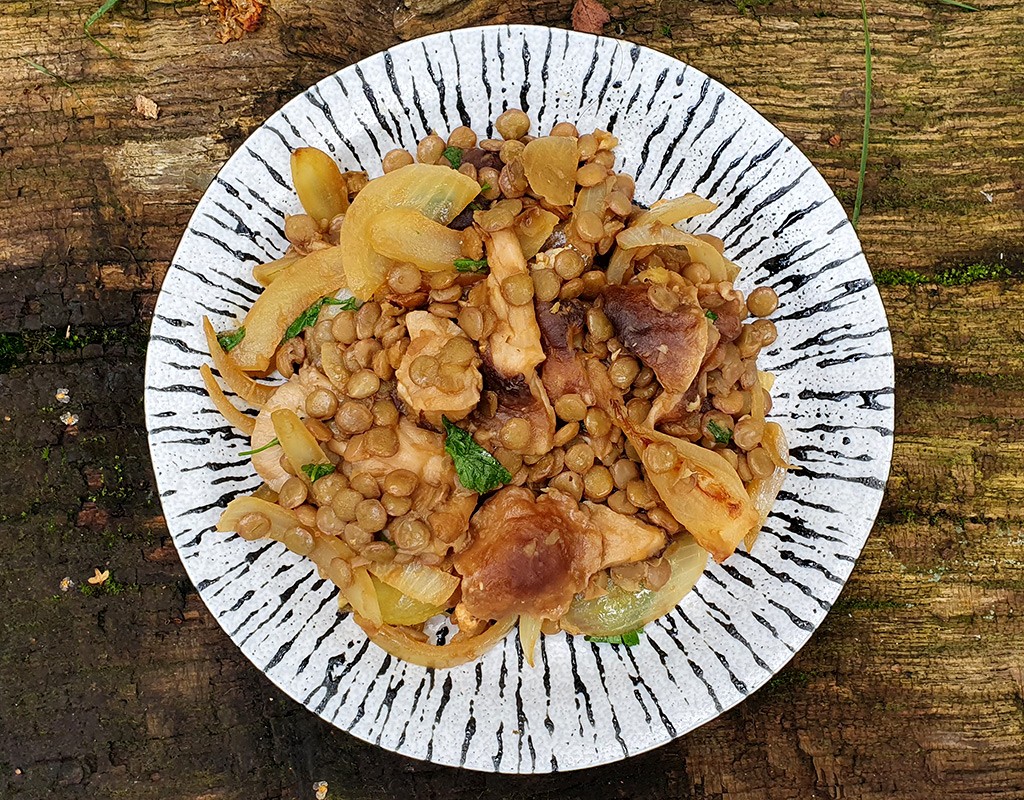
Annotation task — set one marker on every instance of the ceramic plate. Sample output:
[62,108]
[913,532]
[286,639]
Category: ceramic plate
[584,704]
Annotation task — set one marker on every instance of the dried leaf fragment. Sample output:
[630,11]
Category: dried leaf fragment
[835,140]
[145,107]
[589,16]
[99,578]
[237,17]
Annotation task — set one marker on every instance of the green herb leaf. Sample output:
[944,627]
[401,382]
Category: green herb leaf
[629,638]
[309,317]
[272,443]
[711,315]
[231,339]
[722,435]
[454,156]
[955,4]
[470,265]
[348,304]
[485,186]
[477,469]
[316,471]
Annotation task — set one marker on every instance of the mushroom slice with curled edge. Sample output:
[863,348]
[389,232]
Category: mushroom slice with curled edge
[517,398]
[514,346]
[447,380]
[528,555]
[625,540]
[563,371]
[672,340]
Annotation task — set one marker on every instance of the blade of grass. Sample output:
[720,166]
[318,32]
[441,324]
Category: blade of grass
[867,114]
[53,75]
[107,7]
[955,4]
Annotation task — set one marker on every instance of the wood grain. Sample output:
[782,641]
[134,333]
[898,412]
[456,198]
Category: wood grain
[913,687]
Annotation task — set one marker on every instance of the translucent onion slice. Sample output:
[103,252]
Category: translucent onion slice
[397,608]
[763,491]
[362,596]
[404,234]
[670,212]
[283,523]
[293,291]
[438,193]
[420,582]
[319,184]
[620,611]
[550,164]
[243,422]
[398,642]
[534,227]
[529,634]
[255,394]
[299,445]
[657,233]
[266,274]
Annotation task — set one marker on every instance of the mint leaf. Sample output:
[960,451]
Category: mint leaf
[711,315]
[309,317]
[454,156]
[348,304]
[629,638]
[272,443]
[477,469]
[230,340]
[470,265]
[316,471]
[720,434]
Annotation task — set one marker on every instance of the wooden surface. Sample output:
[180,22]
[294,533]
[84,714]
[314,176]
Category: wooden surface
[913,687]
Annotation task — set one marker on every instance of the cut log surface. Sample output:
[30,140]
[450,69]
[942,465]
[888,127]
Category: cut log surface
[914,685]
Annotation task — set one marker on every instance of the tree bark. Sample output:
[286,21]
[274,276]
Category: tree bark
[913,687]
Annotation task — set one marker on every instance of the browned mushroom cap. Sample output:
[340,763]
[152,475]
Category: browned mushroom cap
[529,555]
[672,343]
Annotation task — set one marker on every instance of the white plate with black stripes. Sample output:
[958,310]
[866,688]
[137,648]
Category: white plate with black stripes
[583,704]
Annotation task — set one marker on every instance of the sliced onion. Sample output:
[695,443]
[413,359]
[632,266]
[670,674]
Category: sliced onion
[243,422]
[266,274]
[284,525]
[299,445]
[534,227]
[399,643]
[438,193]
[672,211]
[420,582]
[529,634]
[293,291]
[619,265]
[703,491]
[657,233]
[397,608]
[550,165]
[763,491]
[255,394]
[362,596]
[404,234]
[620,611]
[319,184]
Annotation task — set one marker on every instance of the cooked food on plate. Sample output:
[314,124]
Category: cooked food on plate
[512,395]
